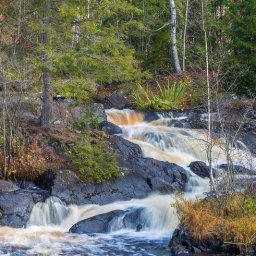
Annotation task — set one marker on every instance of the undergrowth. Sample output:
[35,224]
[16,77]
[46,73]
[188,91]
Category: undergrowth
[231,220]
[28,159]
[90,157]
[166,95]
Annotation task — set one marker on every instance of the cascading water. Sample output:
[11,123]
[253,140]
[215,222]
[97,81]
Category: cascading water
[51,212]
[46,232]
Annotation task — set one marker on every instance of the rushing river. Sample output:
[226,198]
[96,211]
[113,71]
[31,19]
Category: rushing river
[47,229]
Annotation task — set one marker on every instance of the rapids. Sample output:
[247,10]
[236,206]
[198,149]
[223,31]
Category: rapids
[47,229]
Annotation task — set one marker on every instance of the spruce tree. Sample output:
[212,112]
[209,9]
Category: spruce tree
[242,33]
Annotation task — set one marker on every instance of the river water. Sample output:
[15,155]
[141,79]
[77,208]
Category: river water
[47,229]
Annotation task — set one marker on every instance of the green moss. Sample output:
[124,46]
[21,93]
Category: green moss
[92,161]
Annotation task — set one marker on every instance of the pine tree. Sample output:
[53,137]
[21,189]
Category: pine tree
[242,33]
[87,47]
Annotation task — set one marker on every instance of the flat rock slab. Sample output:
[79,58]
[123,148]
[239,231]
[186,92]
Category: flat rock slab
[6,186]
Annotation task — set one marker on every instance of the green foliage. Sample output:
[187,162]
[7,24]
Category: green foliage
[88,120]
[231,206]
[240,29]
[92,160]
[164,97]
[250,206]
[114,42]
[80,89]
[87,46]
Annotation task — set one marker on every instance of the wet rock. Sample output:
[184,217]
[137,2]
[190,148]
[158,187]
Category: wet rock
[96,224]
[182,243]
[237,169]
[134,219]
[46,180]
[160,176]
[64,113]
[15,208]
[66,186]
[126,187]
[201,169]
[6,186]
[139,177]
[150,116]
[126,148]
[99,112]
[116,100]
[249,139]
[110,128]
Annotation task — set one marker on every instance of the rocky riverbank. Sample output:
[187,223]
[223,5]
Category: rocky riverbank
[139,176]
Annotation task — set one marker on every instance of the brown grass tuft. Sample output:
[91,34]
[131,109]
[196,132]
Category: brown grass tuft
[232,223]
[199,222]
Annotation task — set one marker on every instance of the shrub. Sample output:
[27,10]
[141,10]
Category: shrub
[200,222]
[80,89]
[88,120]
[28,160]
[92,161]
[164,97]
[233,221]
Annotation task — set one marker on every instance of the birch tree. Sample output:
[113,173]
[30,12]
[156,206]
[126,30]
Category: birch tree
[184,36]
[210,144]
[173,32]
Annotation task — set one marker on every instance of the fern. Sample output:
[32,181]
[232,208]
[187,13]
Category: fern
[165,96]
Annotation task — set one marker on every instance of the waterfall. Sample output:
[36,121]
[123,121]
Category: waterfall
[158,214]
[161,140]
[51,212]
[160,137]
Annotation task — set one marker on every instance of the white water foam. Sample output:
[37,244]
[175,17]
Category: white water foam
[46,232]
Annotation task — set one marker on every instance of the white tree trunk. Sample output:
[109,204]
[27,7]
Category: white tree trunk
[184,37]
[88,8]
[209,151]
[175,55]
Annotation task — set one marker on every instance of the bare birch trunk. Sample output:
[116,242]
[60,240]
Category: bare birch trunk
[184,37]
[88,9]
[209,151]
[173,31]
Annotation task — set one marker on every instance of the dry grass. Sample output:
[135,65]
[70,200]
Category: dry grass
[240,231]
[30,160]
[199,221]
[32,151]
[230,223]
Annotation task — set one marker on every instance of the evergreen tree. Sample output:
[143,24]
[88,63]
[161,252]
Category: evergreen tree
[86,45]
[242,33]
